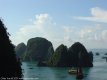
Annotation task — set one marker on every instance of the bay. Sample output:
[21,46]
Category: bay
[97,72]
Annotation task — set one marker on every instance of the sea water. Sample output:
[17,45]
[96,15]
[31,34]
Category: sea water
[97,72]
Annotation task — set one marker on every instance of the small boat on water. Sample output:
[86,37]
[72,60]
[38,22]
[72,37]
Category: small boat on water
[72,71]
[30,68]
[78,71]
[79,74]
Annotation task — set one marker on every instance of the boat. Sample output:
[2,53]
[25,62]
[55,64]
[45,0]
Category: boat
[30,68]
[78,70]
[105,57]
[79,73]
[72,71]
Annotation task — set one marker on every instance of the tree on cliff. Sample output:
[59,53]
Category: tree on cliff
[10,66]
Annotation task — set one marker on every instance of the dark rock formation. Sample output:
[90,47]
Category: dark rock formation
[78,50]
[10,66]
[38,49]
[60,57]
[72,57]
[91,56]
[97,53]
[20,50]
[105,54]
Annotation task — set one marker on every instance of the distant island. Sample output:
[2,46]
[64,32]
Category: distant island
[41,50]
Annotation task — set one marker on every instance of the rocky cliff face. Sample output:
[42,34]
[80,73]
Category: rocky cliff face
[60,57]
[38,49]
[41,50]
[79,54]
[20,50]
[76,55]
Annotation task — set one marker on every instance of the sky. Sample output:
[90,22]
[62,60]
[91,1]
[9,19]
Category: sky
[59,21]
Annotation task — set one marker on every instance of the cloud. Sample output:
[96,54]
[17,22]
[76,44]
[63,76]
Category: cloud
[98,15]
[94,36]
[42,26]
[85,33]
[104,35]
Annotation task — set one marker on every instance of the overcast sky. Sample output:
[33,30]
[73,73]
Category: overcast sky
[59,21]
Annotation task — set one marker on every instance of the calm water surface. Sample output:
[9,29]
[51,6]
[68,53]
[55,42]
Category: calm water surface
[98,72]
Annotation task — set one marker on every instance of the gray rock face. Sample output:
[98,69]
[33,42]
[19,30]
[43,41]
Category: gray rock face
[79,54]
[75,56]
[38,49]
[20,50]
[60,57]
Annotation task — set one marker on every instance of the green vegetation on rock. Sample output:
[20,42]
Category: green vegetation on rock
[60,57]
[41,50]
[67,58]
[78,50]
[38,49]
